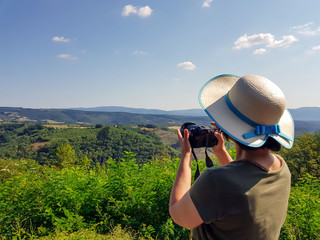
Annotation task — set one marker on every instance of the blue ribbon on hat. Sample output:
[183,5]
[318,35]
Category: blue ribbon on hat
[259,129]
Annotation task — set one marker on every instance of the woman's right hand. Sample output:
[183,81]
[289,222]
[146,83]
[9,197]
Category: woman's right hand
[220,150]
[219,135]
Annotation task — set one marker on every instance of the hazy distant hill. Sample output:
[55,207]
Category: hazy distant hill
[304,113]
[306,126]
[187,112]
[306,119]
[93,117]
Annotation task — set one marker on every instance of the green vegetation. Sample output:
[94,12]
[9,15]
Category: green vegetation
[303,219]
[97,143]
[65,116]
[80,192]
[304,157]
[39,200]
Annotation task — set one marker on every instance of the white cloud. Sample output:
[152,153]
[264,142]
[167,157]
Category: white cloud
[286,41]
[316,48]
[246,41]
[313,50]
[145,11]
[260,51]
[186,65]
[129,9]
[67,57]
[303,26]
[206,3]
[266,39]
[132,10]
[60,39]
[140,52]
[306,29]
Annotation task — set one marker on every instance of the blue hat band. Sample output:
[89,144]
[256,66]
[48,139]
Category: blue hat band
[259,129]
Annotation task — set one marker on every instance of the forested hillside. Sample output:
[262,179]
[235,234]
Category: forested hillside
[306,121]
[39,142]
[65,116]
[114,182]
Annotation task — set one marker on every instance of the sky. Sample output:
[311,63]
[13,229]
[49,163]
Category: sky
[153,54]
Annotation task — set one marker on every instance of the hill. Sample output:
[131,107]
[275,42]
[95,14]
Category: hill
[39,142]
[13,114]
[306,119]
[187,112]
[302,114]
[306,113]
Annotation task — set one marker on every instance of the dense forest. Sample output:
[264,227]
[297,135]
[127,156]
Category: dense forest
[39,142]
[306,119]
[114,182]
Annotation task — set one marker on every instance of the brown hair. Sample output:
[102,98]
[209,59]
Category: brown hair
[271,144]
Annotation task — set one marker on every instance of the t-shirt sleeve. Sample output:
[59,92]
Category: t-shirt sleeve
[206,196]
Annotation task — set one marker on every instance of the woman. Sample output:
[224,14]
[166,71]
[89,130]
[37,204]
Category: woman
[245,198]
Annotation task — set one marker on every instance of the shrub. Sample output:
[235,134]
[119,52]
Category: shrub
[303,219]
[40,200]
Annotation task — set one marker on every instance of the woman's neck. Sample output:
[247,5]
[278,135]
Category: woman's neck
[263,157]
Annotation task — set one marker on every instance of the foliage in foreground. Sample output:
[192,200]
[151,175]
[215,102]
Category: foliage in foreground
[39,200]
[123,200]
[303,219]
[117,233]
[304,157]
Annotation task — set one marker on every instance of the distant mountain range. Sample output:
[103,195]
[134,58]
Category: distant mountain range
[188,112]
[303,114]
[307,119]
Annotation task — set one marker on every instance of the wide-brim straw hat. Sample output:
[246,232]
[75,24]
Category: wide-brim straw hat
[249,109]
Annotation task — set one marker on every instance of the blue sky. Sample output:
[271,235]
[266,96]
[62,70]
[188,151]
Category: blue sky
[153,54]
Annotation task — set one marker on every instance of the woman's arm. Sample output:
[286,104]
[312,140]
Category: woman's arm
[220,150]
[181,207]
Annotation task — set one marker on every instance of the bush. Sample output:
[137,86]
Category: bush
[39,200]
[117,233]
[303,219]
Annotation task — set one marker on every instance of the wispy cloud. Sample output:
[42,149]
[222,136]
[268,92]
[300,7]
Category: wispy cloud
[307,29]
[316,48]
[313,50]
[206,3]
[132,10]
[136,52]
[67,57]
[246,41]
[186,65]
[260,51]
[266,39]
[60,39]
[303,26]
[286,41]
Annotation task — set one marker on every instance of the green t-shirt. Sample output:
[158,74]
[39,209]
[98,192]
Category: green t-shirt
[241,201]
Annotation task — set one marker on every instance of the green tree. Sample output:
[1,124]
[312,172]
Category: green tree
[304,157]
[66,156]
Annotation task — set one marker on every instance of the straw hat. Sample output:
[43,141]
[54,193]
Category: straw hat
[249,109]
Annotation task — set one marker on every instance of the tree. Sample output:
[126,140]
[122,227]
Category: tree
[66,156]
[304,157]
